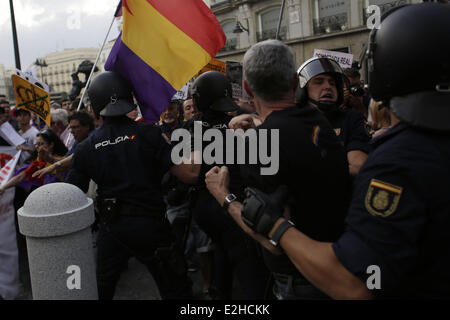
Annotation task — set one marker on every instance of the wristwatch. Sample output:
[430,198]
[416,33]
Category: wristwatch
[228,199]
[275,240]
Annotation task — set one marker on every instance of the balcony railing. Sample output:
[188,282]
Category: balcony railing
[271,33]
[330,24]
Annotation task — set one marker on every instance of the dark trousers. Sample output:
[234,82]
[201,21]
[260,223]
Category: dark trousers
[150,240]
[235,252]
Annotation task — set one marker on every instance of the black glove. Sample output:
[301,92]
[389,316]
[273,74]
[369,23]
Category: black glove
[260,211]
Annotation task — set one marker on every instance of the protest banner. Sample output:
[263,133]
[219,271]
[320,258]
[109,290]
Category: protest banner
[9,266]
[214,65]
[234,74]
[345,60]
[30,75]
[32,98]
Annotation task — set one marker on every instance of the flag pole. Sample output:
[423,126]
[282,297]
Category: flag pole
[279,20]
[93,67]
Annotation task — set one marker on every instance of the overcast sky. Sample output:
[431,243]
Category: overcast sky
[46,26]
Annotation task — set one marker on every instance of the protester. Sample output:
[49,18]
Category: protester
[381,120]
[27,131]
[355,97]
[396,244]
[133,114]
[169,119]
[81,124]
[4,105]
[189,109]
[60,124]
[127,160]
[66,105]
[49,150]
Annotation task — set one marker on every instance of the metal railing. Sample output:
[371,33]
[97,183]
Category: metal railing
[271,33]
[330,24]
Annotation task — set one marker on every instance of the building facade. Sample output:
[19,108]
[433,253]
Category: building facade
[336,25]
[60,66]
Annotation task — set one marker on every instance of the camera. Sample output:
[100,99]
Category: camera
[85,67]
[356,90]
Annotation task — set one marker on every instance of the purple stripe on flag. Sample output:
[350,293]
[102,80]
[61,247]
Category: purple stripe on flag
[152,91]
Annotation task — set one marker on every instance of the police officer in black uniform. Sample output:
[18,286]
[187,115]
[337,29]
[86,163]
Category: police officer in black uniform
[127,160]
[235,252]
[312,162]
[397,242]
[322,85]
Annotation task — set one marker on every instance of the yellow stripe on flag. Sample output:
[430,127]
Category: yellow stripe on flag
[385,186]
[164,47]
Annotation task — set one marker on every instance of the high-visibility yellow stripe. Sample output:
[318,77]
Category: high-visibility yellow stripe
[376,183]
[164,47]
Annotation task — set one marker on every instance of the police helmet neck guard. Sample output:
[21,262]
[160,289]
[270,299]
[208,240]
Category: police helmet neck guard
[110,95]
[409,64]
[212,91]
[314,67]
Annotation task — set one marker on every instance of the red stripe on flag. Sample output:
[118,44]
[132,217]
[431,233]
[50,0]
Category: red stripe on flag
[196,20]
[7,168]
[1,178]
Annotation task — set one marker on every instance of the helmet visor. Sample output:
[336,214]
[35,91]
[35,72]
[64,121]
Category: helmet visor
[315,66]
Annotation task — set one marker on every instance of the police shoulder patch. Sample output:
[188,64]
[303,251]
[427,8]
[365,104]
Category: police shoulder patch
[382,198]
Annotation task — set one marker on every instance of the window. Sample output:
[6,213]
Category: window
[269,25]
[329,15]
[385,5]
[228,28]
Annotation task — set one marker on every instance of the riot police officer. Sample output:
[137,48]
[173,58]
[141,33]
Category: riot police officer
[322,85]
[235,252]
[127,160]
[397,242]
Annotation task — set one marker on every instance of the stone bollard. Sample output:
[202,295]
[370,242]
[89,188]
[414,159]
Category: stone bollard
[56,220]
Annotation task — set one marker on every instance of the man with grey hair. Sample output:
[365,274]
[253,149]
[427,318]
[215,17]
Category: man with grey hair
[312,162]
[60,124]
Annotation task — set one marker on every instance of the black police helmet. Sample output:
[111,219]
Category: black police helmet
[212,90]
[313,67]
[110,95]
[409,64]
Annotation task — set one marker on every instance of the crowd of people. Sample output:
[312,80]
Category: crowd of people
[362,181]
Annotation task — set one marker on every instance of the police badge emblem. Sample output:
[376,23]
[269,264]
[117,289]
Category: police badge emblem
[382,198]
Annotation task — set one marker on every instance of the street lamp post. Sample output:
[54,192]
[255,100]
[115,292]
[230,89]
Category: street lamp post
[41,63]
[16,44]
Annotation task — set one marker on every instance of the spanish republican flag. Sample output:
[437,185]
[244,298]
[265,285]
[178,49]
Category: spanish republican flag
[164,43]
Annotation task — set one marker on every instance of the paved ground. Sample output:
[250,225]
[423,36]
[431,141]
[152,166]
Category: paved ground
[135,283]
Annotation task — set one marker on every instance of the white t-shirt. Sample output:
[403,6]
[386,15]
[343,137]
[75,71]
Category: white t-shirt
[30,141]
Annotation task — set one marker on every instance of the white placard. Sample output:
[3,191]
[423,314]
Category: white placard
[11,136]
[182,93]
[28,75]
[345,60]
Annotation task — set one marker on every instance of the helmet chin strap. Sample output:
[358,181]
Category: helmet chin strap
[325,106]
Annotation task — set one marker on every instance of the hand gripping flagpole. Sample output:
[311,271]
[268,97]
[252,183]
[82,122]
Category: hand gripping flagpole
[96,61]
